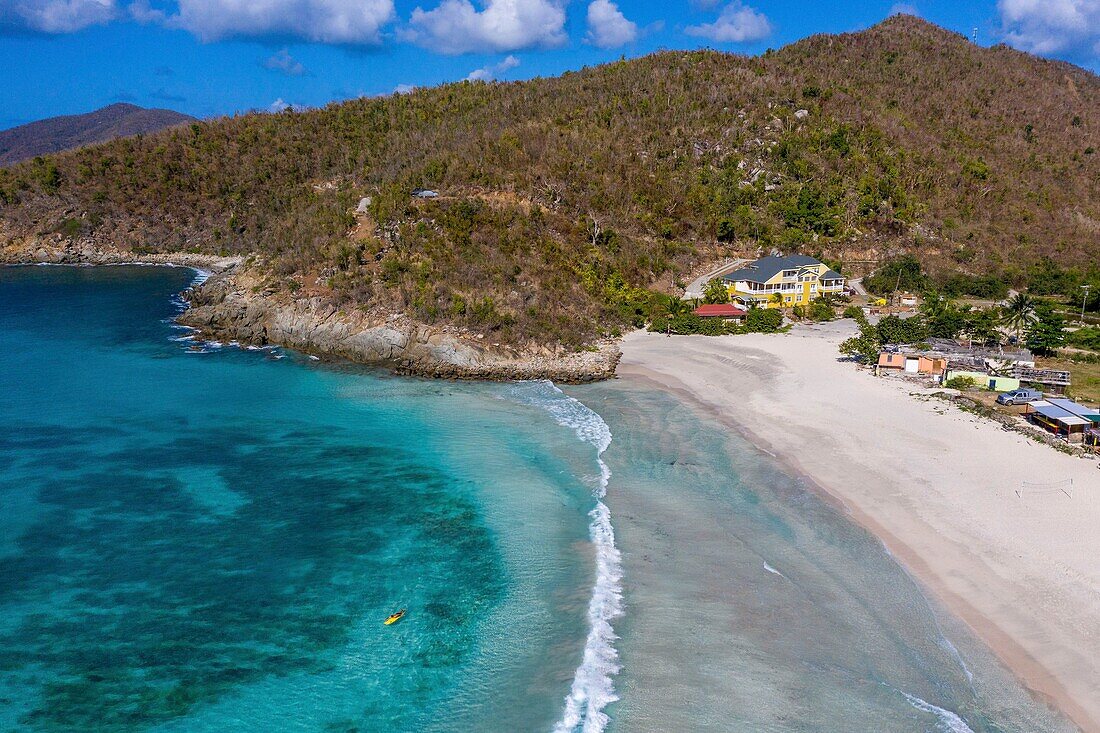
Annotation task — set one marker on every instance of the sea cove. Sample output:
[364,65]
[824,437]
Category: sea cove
[198,537]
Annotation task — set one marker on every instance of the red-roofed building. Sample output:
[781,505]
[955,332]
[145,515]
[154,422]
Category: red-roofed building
[725,311]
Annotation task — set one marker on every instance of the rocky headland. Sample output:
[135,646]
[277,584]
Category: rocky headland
[233,304]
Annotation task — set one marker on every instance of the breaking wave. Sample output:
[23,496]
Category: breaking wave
[946,721]
[593,686]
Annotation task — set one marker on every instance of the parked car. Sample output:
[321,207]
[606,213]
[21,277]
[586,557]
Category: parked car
[1019,397]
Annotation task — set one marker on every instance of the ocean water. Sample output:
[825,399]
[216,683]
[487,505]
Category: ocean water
[198,537]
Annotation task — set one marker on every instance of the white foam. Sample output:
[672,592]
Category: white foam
[772,570]
[201,276]
[946,721]
[593,687]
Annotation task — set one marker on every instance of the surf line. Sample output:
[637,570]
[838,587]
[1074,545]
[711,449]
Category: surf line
[593,687]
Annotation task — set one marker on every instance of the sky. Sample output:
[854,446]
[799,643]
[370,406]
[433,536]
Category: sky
[216,57]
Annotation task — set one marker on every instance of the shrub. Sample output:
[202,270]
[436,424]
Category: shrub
[961,383]
[685,324]
[854,312]
[70,227]
[989,287]
[904,273]
[820,311]
[763,320]
[1084,338]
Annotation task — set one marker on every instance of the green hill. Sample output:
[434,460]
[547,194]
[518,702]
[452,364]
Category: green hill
[561,198]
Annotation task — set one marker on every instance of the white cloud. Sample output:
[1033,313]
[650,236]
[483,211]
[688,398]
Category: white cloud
[456,26]
[904,9]
[608,27]
[280,105]
[284,63]
[488,73]
[1052,26]
[404,89]
[737,23]
[324,21]
[56,16]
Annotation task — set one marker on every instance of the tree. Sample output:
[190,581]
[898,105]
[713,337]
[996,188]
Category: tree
[864,347]
[942,316]
[1047,331]
[895,330]
[716,292]
[1018,313]
[981,326]
[777,299]
[676,307]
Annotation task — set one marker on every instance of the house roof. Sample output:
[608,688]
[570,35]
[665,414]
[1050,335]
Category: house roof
[722,310]
[1058,414]
[766,268]
[832,275]
[1073,407]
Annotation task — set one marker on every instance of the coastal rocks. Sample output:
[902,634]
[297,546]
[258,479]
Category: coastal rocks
[58,250]
[224,307]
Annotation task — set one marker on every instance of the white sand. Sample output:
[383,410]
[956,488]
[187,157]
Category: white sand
[936,484]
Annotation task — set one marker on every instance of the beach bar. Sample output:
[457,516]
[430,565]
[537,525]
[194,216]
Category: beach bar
[1065,418]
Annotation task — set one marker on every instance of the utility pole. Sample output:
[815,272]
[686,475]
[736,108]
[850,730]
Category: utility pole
[1084,299]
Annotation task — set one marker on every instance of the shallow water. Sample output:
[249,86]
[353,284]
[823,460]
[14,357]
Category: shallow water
[752,605]
[203,538]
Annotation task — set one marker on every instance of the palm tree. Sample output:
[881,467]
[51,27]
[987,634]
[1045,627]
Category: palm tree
[676,306]
[936,305]
[1018,312]
[777,299]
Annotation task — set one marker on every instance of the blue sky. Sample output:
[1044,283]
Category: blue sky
[214,57]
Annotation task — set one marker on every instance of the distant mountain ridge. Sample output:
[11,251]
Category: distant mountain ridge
[55,134]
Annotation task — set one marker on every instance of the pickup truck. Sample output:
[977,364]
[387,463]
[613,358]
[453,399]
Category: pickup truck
[1019,397]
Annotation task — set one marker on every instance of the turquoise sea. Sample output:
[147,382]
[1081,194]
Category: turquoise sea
[200,537]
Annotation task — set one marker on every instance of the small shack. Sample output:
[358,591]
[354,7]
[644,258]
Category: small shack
[725,311]
[911,363]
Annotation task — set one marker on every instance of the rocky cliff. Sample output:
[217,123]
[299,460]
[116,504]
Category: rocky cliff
[234,305]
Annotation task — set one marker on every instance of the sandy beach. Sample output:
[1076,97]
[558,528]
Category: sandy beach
[937,485]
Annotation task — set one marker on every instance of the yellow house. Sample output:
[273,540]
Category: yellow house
[797,280]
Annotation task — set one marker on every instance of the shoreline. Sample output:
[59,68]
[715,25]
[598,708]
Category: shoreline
[230,304]
[942,574]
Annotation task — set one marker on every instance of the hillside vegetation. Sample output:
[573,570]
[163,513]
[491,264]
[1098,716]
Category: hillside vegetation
[565,201]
